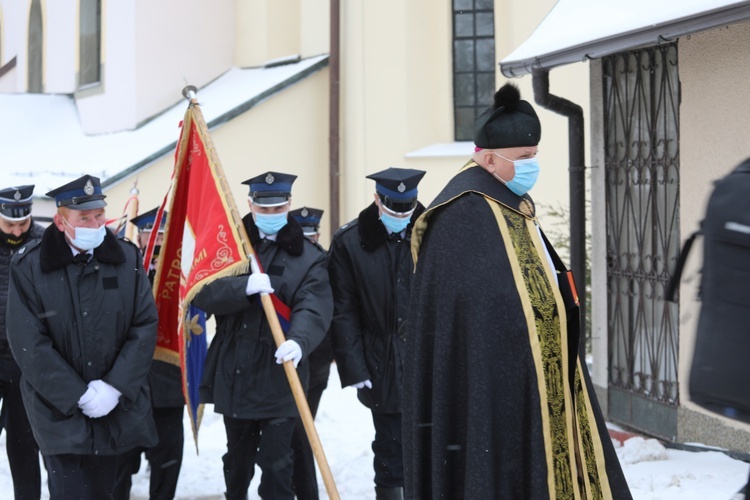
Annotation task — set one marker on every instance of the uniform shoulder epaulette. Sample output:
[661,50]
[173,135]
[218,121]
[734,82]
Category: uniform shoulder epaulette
[131,244]
[317,245]
[346,227]
[25,250]
[127,240]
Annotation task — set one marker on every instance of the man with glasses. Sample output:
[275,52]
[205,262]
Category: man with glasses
[370,267]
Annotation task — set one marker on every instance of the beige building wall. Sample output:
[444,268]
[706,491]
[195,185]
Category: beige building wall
[282,133]
[315,23]
[11,14]
[714,119]
[178,42]
[515,21]
[397,96]
[714,113]
[149,52]
[271,29]
[599,291]
[59,24]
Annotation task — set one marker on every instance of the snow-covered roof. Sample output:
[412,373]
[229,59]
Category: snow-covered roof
[43,143]
[576,30]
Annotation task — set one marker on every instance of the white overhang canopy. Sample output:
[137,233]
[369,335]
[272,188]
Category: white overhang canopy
[577,30]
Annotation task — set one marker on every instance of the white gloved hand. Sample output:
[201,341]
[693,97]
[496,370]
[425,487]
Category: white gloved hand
[258,283]
[289,351]
[87,396]
[103,402]
[363,384]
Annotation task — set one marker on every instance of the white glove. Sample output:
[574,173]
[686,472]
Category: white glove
[289,350]
[104,401]
[258,283]
[87,396]
[363,384]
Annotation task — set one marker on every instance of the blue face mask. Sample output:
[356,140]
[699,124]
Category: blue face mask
[394,224]
[527,172]
[270,223]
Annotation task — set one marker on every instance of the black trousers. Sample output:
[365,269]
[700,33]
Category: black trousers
[268,443]
[23,452]
[165,458]
[81,477]
[304,478]
[389,460]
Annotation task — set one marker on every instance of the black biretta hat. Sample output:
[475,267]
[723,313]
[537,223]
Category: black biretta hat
[397,187]
[15,202]
[308,218]
[271,188]
[146,221]
[84,193]
[509,123]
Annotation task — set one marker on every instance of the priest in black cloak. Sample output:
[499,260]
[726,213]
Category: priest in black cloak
[497,402]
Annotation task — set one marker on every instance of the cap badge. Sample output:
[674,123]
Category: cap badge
[17,196]
[270,179]
[401,187]
[88,188]
[304,212]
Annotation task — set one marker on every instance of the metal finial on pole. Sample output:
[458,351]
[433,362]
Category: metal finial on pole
[189,92]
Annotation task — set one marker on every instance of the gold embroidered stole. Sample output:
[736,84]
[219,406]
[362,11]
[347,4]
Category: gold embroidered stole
[547,324]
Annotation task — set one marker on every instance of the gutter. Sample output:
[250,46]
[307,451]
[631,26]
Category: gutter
[334,172]
[577,184]
[620,42]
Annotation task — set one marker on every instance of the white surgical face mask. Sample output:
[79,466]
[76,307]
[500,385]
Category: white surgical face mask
[86,238]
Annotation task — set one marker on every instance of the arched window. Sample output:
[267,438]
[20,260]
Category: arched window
[90,42]
[36,45]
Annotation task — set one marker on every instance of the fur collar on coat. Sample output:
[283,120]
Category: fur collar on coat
[372,232]
[290,238]
[55,252]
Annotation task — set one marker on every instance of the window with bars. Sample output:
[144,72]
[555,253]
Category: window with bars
[642,171]
[90,43]
[473,63]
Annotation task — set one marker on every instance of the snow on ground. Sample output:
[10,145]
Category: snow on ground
[346,431]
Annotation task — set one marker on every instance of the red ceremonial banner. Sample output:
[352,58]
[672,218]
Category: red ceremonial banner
[201,243]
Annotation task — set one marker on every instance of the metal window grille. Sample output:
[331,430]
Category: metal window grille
[641,93]
[473,63]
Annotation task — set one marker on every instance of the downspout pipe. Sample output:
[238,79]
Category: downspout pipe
[334,172]
[577,182]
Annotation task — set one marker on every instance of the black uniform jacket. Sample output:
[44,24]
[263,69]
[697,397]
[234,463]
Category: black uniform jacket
[69,324]
[497,401]
[6,253]
[165,376]
[241,377]
[370,275]
[321,358]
